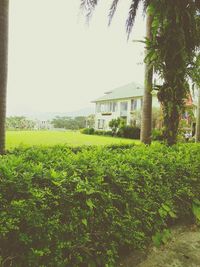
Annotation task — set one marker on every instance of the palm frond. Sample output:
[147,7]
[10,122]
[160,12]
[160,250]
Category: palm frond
[131,16]
[146,3]
[112,11]
[88,6]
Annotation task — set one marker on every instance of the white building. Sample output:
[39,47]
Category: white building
[43,125]
[124,102]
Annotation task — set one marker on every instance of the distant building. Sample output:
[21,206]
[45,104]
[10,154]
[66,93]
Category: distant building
[124,102]
[43,125]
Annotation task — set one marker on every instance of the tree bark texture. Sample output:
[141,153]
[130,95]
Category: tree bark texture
[146,123]
[4,6]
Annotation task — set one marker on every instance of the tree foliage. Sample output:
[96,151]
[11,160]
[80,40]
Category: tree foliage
[194,69]
[175,31]
[175,38]
[19,123]
[114,124]
[88,7]
[69,123]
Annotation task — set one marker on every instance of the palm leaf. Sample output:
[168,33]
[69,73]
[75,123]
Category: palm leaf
[146,3]
[131,16]
[112,10]
[88,6]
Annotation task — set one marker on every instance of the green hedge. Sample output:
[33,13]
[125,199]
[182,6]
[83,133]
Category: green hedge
[127,131]
[92,131]
[89,131]
[157,135]
[105,133]
[131,132]
[60,207]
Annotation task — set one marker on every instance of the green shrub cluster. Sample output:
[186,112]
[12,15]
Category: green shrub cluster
[87,131]
[126,131]
[62,207]
[131,132]
[96,132]
[105,133]
[157,135]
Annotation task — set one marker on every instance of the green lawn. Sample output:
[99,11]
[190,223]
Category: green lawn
[49,138]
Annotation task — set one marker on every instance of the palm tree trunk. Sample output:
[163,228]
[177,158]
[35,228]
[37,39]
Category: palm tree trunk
[197,137]
[146,123]
[3,69]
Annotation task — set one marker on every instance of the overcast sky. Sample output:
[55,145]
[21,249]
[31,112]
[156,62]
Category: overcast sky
[58,64]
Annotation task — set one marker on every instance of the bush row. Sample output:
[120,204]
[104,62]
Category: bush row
[60,207]
[92,131]
[124,132]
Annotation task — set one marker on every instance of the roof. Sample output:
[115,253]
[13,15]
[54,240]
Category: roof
[126,91]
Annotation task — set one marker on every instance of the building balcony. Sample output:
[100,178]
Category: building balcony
[106,113]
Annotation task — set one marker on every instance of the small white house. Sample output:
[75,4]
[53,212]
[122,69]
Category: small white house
[124,102]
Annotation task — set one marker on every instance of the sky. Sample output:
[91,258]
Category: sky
[57,63]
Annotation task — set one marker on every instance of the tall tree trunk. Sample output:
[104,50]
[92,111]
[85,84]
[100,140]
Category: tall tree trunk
[146,124]
[197,137]
[3,69]
[171,114]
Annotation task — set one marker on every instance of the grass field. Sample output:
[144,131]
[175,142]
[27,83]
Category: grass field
[50,138]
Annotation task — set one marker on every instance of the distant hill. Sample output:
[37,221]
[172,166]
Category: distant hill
[50,115]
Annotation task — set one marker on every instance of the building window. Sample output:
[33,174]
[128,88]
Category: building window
[141,102]
[98,107]
[124,106]
[114,106]
[106,107]
[101,124]
[133,104]
[109,107]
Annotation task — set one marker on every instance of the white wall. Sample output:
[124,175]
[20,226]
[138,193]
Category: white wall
[117,114]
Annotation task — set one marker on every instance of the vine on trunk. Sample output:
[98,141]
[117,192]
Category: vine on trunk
[171,51]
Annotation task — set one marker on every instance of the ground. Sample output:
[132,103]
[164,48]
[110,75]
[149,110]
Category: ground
[182,251]
[72,138]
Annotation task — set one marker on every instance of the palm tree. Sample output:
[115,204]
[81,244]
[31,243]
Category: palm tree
[174,36]
[146,124]
[3,68]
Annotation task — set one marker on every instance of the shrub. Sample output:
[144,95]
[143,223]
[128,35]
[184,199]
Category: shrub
[87,131]
[60,208]
[108,133]
[157,135]
[91,131]
[101,132]
[132,132]
[114,124]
